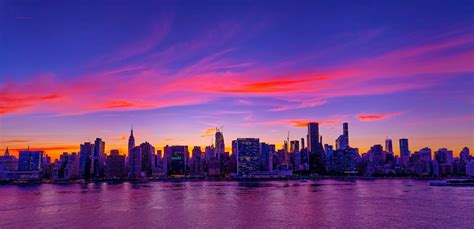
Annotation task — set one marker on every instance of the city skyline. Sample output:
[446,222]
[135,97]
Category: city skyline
[248,158]
[124,149]
[177,71]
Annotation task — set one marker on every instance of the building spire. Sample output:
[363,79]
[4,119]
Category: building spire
[131,131]
[7,153]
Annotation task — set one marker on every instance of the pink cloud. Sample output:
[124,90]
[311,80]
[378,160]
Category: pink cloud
[216,75]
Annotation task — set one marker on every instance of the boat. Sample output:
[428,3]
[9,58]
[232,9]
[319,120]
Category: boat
[454,182]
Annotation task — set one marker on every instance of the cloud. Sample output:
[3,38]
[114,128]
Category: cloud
[120,138]
[12,141]
[114,104]
[294,122]
[49,148]
[375,117]
[217,73]
[208,132]
[150,39]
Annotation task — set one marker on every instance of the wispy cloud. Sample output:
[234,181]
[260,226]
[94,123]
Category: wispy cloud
[208,132]
[375,117]
[13,141]
[219,74]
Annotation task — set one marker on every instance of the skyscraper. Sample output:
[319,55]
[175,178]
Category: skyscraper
[147,151]
[342,142]
[315,149]
[86,151]
[248,155]
[464,154]
[196,164]
[131,141]
[388,146]
[176,159]
[115,165]
[265,157]
[425,154]
[98,158]
[404,150]
[294,146]
[220,150]
[313,137]
[135,162]
[345,131]
[220,146]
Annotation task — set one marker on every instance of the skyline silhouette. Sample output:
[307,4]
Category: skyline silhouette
[211,135]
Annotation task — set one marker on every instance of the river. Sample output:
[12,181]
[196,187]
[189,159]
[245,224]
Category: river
[219,204]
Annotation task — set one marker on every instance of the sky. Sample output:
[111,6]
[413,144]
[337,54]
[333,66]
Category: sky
[72,71]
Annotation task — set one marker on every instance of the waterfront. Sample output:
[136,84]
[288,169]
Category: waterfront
[325,203]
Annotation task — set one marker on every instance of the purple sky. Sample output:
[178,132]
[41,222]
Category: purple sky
[71,71]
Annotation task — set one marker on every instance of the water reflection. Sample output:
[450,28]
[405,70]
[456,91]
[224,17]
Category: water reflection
[324,203]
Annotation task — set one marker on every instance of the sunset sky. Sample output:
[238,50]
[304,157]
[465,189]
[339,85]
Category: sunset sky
[71,71]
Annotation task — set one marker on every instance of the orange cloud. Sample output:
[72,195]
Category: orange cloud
[208,132]
[120,138]
[117,104]
[53,151]
[304,123]
[374,117]
[294,123]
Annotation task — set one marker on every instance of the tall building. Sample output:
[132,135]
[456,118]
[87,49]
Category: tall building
[131,141]
[67,167]
[85,156]
[147,151]
[464,154]
[197,161]
[294,146]
[444,156]
[313,137]
[98,158]
[115,165]
[404,150]
[209,151]
[220,146]
[328,149]
[220,150]
[302,143]
[425,154]
[176,158]
[345,131]
[29,160]
[248,155]
[265,157]
[342,142]
[317,162]
[388,146]
[135,163]
[377,155]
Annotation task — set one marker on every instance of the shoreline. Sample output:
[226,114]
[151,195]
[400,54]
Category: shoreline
[193,179]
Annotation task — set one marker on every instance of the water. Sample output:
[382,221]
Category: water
[326,203]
